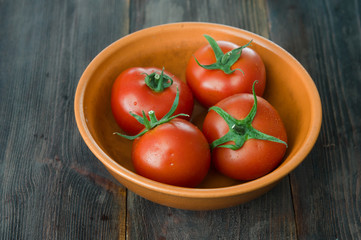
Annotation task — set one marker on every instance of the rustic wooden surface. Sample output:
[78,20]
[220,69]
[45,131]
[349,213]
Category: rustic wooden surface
[52,187]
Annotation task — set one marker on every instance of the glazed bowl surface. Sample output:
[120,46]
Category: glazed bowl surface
[289,89]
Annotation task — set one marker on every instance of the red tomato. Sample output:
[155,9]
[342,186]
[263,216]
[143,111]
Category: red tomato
[130,93]
[209,86]
[256,157]
[175,153]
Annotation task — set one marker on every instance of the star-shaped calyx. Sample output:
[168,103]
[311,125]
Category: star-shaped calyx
[224,61]
[240,130]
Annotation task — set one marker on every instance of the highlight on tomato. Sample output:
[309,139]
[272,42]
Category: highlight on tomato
[247,136]
[140,89]
[222,69]
[170,150]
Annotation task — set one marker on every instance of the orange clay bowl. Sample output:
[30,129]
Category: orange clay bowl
[289,89]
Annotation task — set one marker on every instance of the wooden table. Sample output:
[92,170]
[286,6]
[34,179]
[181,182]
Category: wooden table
[52,186]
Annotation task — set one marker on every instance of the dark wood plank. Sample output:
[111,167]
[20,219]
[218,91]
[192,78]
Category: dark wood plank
[269,217]
[249,15]
[325,37]
[51,186]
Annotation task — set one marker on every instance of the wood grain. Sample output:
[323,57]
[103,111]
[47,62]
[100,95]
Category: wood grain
[51,186]
[148,220]
[325,37]
[248,15]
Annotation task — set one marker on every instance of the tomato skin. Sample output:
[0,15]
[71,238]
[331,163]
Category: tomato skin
[211,86]
[256,157]
[175,153]
[130,93]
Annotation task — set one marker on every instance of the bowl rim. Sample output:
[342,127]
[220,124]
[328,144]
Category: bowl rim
[262,182]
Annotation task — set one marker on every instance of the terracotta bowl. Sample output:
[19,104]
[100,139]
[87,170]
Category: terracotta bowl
[289,89]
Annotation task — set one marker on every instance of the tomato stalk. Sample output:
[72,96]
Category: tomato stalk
[152,122]
[240,130]
[225,61]
[158,82]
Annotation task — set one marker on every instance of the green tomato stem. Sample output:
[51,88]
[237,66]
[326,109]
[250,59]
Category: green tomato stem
[152,116]
[225,61]
[158,82]
[153,121]
[240,130]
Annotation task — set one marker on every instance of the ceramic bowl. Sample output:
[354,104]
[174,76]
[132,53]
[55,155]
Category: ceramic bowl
[289,89]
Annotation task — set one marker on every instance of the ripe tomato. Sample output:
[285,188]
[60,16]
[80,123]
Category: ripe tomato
[170,150]
[210,84]
[175,153]
[138,89]
[248,148]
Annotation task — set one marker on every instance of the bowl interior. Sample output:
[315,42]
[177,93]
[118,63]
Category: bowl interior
[289,88]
